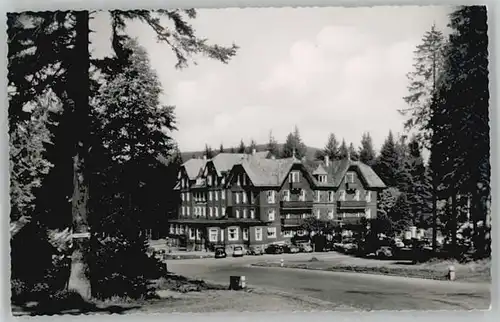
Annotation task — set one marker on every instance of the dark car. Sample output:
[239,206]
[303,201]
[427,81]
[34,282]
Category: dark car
[220,252]
[274,249]
[256,250]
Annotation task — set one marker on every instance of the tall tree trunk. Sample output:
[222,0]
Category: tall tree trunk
[434,217]
[79,85]
[454,221]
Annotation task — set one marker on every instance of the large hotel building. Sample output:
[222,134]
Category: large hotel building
[255,199]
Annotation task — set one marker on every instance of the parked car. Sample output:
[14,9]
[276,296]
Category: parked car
[339,247]
[350,248]
[384,252]
[220,252]
[398,243]
[256,250]
[305,248]
[290,249]
[238,251]
[274,249]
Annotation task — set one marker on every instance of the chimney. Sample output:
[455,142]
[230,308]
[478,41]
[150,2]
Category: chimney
[327,160]
[254,151]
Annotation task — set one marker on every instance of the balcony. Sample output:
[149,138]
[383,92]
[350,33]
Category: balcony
[351,186]
[352,204]
[292,221]
[296,204]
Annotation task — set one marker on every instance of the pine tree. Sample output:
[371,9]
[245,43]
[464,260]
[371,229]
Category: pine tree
[460,119]
[343,150]
[428,64]
[209,152]
[353,153]
[242,148]
[221,148]
[293,144]
[366,151]
[388,163]
[332,148]
[272,145]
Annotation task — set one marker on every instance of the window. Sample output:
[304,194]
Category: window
[172,229]
[322,178]
[252,213]
[223,194]
[286,195]
[302,195]
[349,177]
[223,211]
[188,210]
[244,195]
[187,196]
[182,196]
[356,195]
[244,214]
[368,213]
[210,195]
[212,236]
[303,216]
[318,213]
[287,233]
[245,233]
[244,179]
[210,213]
[368,196]
[238,180]
[198,234]
[271,196]
[204,211]
[258,234]
[183,210]
[271,232]
[216,193]
[317,196]
[216,212]
[330,214]
[232,233]
[342,195]
[294,176]
[182,229]
[222,234]
[223,180]
[191,233]
[237,213]
[288,216]
[209,180]
[271,215]
[237,197]
[330,196]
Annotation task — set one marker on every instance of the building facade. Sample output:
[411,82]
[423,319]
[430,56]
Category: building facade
[255,199]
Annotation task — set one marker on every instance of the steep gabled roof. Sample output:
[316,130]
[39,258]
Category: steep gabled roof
[224,162]
[319,170]
[267,172]
[371,178]
[193,167]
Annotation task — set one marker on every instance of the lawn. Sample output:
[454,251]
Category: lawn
[435,269]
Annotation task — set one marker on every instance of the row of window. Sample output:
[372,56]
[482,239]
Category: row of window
[294,177]
[317,214]
[202,211]
[202,196]
[233,233]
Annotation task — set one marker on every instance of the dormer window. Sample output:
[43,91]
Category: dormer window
[294,176]
[349,177]
[322,178]
[209,180]
[238,182]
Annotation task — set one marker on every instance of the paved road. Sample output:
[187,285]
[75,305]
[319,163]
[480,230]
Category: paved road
[362,291]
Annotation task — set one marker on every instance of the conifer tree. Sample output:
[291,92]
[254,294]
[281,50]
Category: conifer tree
[332,148]
[343,150]
[272,145]
[366,151]
[293,144]
[353,153]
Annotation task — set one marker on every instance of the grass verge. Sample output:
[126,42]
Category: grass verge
[479,271]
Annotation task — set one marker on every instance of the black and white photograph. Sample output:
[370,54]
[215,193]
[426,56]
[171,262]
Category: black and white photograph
[274,159]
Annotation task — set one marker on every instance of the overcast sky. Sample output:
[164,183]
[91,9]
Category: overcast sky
[339,70]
